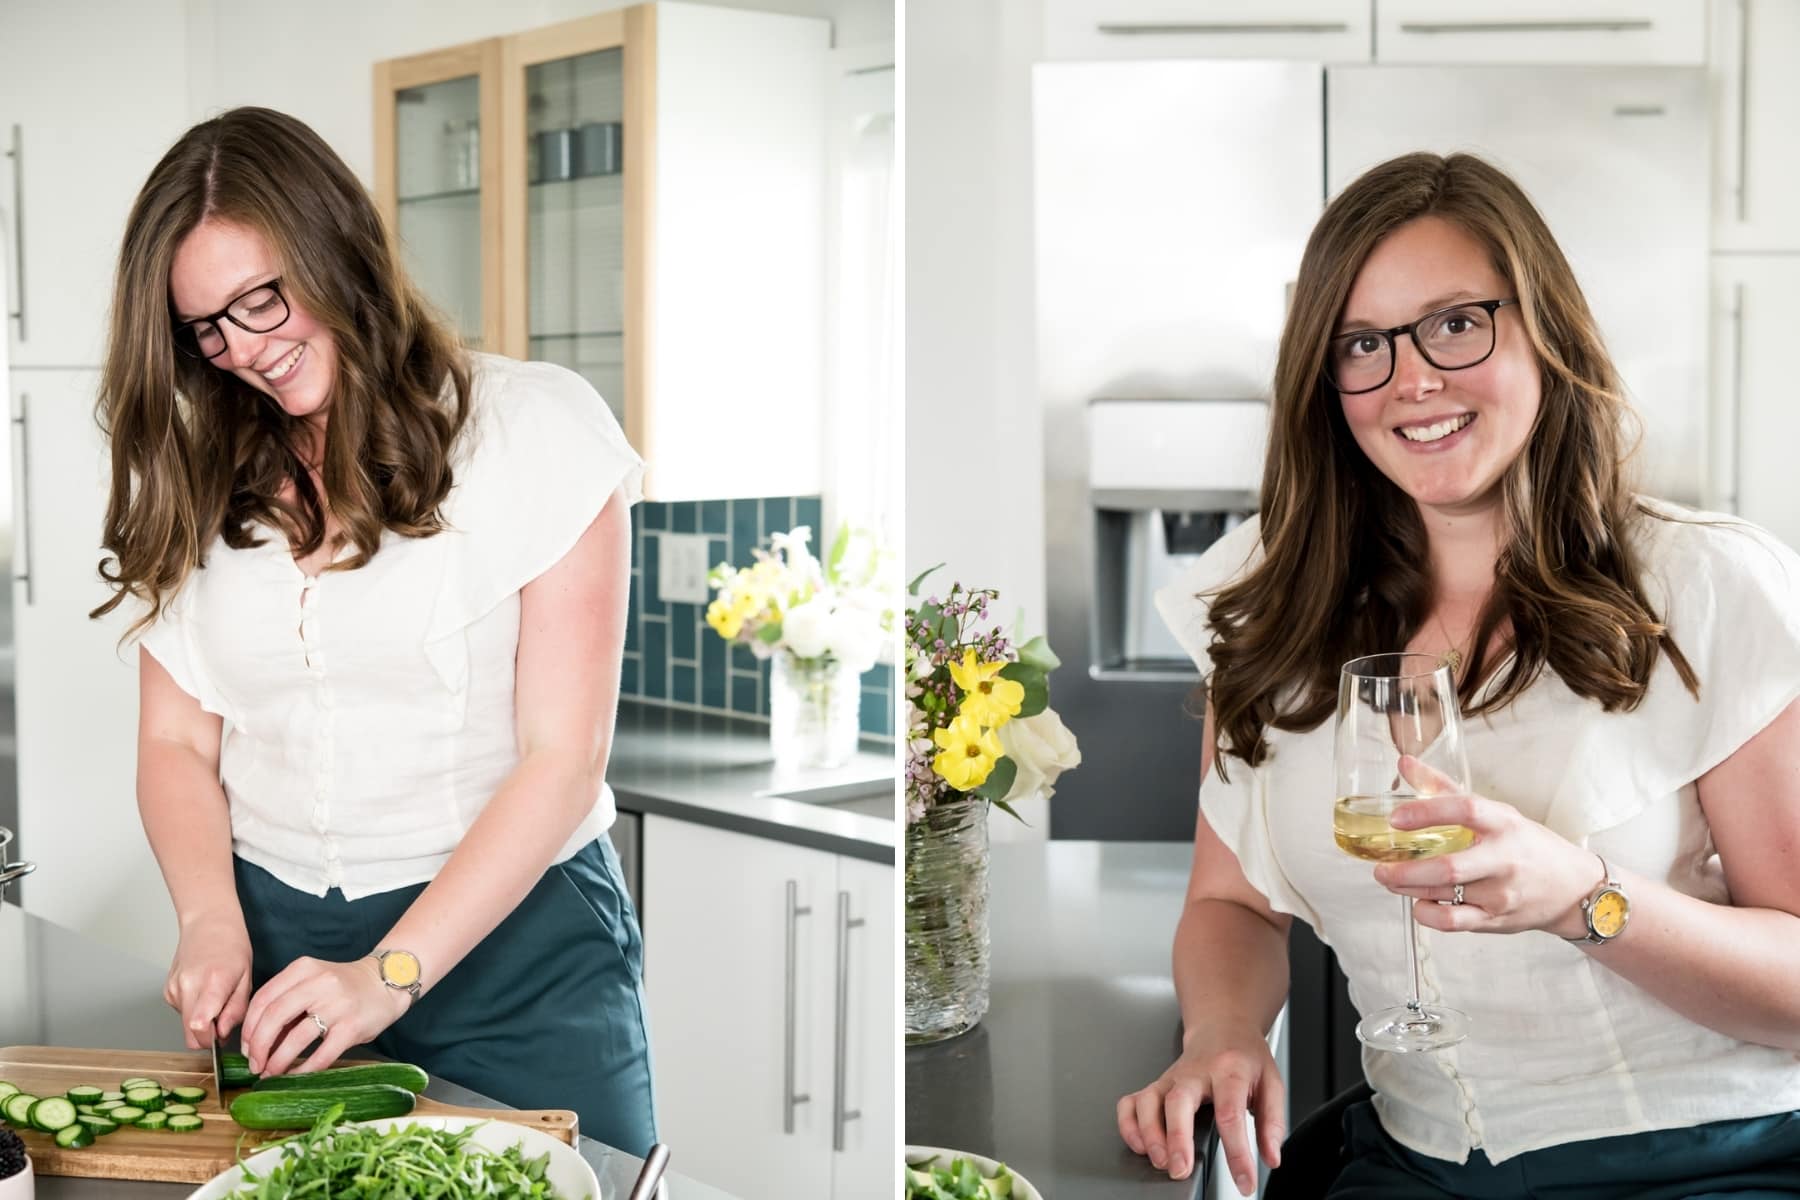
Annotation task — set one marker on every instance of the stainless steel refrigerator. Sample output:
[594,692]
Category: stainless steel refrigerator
[1173,200]
[9,745]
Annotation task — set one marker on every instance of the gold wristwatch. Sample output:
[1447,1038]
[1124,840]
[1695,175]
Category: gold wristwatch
[399,969]
[1606,909]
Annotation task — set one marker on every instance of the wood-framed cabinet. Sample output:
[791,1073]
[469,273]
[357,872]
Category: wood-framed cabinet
[637,195]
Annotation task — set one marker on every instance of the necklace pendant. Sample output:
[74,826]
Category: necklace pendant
[1453,656]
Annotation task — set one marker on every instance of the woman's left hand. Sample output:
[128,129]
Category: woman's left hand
[1518,875]
[349,1000]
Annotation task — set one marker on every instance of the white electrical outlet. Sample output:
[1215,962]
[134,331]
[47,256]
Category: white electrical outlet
[681,568]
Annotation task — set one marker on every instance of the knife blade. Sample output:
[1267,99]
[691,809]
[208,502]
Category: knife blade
[218,1065]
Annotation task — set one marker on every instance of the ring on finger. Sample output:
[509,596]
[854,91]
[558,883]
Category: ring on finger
[325,1029]
[1456,897]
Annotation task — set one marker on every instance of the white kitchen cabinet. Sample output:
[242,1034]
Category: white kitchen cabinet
[1636,32]
[762,1035]
[76,690]
[98,97]
[1313,30]
[1755,102]
[1756,306]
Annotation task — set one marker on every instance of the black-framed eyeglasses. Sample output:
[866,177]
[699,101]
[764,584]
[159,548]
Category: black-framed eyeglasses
[262,309]
[1450,339]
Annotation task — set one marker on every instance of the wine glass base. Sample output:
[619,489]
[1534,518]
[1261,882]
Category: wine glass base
[1405,1030]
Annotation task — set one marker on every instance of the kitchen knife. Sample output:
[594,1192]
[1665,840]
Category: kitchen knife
[218,1065]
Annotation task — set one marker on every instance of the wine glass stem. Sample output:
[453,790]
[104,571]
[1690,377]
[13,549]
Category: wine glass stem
[1412,953]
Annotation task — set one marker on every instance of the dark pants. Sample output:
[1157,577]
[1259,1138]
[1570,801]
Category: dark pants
[546,1012]
[1753,1159]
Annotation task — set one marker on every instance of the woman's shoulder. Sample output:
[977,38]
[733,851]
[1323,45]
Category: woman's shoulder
[1714,567]
[1185,601]
[525,416]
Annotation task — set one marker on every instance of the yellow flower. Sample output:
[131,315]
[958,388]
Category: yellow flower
[725,619]
[967,753]
[989,699]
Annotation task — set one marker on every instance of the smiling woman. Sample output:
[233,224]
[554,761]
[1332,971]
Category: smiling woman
[384,585]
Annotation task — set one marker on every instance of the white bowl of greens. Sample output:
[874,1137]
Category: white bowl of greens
[491,1159]
[933,1173]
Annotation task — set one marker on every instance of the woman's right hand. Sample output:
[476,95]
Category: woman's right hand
[209,981]
[1238,1076]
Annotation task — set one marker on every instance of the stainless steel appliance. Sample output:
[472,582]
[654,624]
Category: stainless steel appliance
[11,309]
[1173,200]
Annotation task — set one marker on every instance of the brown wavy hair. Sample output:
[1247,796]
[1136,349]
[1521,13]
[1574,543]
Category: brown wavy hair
[1345,568]
[196,451]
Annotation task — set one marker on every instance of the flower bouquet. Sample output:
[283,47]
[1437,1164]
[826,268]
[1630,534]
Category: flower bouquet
[823,624]
[979,731]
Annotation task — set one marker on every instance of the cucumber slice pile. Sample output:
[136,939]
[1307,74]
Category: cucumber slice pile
[82,1114]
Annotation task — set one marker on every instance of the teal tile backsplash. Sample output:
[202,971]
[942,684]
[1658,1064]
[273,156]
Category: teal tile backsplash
[672,657]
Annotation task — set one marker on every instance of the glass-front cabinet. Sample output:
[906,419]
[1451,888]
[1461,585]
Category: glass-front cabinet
[636,195]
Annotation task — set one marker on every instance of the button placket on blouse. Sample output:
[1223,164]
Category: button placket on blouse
[313,650]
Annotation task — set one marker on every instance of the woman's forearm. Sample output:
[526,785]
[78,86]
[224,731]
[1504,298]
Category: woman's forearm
[1231,969]
[501,858]
[188,823]
[1730,969]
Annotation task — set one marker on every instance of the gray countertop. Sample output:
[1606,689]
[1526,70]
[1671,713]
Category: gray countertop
[717,770]
[1083,1011]
[57,988]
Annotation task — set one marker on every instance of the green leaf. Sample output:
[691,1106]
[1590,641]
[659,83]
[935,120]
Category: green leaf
[1008,809]
[1037,653]
[1036,684]
[929,615]
[999,780]
[838,548]
[770,633]
[912,589]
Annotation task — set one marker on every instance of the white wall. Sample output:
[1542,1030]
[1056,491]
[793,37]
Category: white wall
[974,427]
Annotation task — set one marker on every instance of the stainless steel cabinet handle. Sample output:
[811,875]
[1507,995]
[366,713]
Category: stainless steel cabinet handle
[840,1059]
[1526,26]
[1743,109]
[23,436]
[789,1101]
[12,871]
[1132,28]
[17,154]
[1737,399]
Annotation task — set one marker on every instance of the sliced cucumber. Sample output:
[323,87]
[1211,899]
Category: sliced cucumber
[405,1075]
[125,1085]
[8,1089]
[86,1110]
[180,1110]
[188,1095]
[150,1099]
[106,1106]
[100,1125]
[17,1109]
[185,1123]
[296,1109]
[84,1095]
[152,1120]
[51,1114]
[125,1114]
[105,1096]
[74,1137]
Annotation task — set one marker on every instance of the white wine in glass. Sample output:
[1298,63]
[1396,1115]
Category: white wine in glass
[1390,705]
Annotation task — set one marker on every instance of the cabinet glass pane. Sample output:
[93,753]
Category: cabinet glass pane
[437,145]
[576,218]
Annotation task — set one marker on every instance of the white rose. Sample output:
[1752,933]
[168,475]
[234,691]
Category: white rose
[1043,748]
[805,628]
[854,636]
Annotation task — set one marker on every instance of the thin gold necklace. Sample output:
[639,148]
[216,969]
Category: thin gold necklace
[1453,655]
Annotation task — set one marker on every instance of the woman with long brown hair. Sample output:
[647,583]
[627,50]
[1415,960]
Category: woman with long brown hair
[1447,473]
[383,584]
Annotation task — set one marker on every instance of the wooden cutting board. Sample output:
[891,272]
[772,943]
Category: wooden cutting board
[179,1157]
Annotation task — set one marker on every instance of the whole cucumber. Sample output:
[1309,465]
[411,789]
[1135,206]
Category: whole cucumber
[299,1109]
[405,1075]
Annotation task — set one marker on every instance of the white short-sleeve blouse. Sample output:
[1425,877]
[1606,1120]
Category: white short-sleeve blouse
[369,713]
[1561,1049]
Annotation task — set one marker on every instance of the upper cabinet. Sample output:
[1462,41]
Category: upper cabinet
[1634,32]
[83,119]
[1756,109]
[1313,30]
[639,196]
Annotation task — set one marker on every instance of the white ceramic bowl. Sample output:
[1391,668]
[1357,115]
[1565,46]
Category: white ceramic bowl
[568,1172]
[1022,1189]
[20,1186]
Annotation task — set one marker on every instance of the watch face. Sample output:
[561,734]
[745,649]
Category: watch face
[1608,914]
[399,968]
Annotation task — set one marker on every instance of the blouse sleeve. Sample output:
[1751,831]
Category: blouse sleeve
[543,456]
[1729,594]
[1238,809]
[170,640]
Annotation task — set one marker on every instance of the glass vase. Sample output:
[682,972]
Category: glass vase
[946,920]
[813,708]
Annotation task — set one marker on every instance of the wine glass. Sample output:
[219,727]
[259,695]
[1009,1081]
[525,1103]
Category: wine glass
[1390,705]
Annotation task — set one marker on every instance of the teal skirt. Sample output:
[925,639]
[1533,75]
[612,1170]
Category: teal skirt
[546,1012]
[1757,1158]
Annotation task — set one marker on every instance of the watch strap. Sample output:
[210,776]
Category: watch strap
[1607,884]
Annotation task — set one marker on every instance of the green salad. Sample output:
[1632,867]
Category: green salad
[339,1160]
[960,1180]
